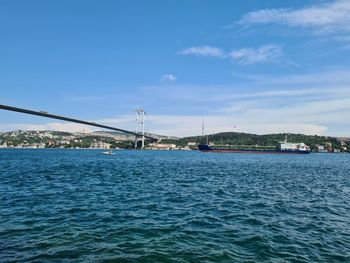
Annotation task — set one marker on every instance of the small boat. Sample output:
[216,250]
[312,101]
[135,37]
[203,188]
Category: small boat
[110,152]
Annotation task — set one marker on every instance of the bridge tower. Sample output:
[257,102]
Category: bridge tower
[140,125]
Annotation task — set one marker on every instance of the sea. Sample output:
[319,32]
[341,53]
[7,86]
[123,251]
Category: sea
[62,205]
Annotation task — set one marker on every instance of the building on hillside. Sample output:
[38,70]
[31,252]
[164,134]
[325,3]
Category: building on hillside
[100,145]
[320,148]
[162,146]
[38,145]
[186,148]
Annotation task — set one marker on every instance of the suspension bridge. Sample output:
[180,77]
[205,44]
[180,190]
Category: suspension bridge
[138,135]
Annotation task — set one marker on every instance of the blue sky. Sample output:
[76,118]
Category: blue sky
[250,66]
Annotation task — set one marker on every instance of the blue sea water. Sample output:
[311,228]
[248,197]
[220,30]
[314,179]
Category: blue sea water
[172,206]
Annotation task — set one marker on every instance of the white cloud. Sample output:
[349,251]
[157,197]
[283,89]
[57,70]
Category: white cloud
[205,51]
[191,125]
[245,56]
[264,54]
[252,116]
[168,77]
[316,103]
[318,116]
[326,18]
[326,84]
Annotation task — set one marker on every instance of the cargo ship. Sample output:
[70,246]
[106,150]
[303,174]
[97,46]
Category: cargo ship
[284,148]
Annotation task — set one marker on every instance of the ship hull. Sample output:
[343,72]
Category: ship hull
[206,148]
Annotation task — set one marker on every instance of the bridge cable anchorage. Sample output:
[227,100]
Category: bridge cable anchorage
[63,118]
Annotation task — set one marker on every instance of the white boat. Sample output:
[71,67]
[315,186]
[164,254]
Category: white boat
[110,152]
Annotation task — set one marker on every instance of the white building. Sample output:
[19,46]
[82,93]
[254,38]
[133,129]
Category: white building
[100,145]
[319,147]
[163,146]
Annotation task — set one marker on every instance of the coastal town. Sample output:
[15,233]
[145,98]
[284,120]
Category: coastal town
[115,140]
[94,140]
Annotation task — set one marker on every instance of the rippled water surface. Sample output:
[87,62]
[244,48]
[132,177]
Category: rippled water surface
[155,206]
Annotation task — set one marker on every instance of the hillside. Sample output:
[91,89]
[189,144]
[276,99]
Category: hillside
[236,138]
[56,139]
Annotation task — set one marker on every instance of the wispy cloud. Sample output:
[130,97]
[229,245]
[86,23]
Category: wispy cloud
[308,109]
[261,113]
[189,125]
[329,17]
[168,77]
[244,56]
[314,103]
[326,83]
[264,54]
[205,51]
